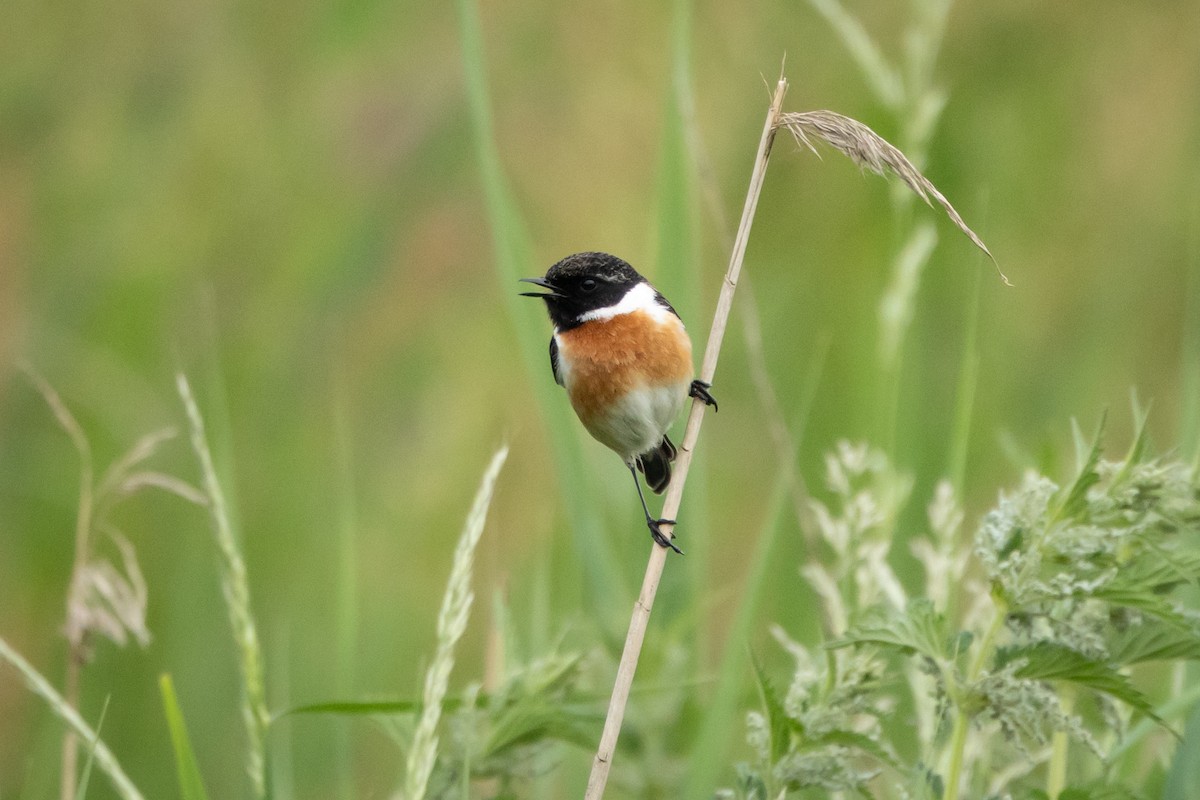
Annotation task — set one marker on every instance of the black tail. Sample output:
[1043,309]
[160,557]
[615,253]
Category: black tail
[656,465]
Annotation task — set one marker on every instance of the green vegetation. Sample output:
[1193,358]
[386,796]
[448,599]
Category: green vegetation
[318,213]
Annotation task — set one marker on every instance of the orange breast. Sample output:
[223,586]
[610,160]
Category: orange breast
[604,359]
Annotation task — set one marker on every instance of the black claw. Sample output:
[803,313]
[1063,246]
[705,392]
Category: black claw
[661,538]
[699,390]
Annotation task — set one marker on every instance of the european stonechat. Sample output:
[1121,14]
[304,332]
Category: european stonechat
[622,354]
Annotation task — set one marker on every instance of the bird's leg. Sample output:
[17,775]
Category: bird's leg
[661,538]
[699,390]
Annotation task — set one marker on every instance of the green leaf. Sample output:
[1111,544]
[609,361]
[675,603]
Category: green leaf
[920,629]
[1159,570]
[534,719]
[779,726]
[1184,776]
[858,741]
[1098,791]
[191,784]
[1076,498]
[1154,641]
[1145,601]
[365,708]
[1049,662]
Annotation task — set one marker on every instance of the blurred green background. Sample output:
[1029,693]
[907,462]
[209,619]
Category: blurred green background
[284,201]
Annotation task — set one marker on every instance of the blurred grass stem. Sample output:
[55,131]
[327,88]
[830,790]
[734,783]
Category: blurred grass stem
[962,722]
[236,590]
[77,634]
[102,756]
[452,623]
[602,762]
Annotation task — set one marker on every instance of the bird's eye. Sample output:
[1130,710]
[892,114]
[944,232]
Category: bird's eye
[588,285]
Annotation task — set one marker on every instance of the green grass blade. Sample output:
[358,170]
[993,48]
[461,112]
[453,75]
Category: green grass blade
[1184,776]
[86,777]
[346,592]
[191,784]
[883,79]
[964,401]
[677,271]
[1190,407]
[604,578]
[104,757]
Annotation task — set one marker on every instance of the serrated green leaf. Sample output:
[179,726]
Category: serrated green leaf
[779,726]
[1141,438]
[920,629]
[1147,602]
[856,740]
[1097,791]
[1076,498]
[1049,662]
[1154,641]
[1159,570]
[534,720]
[191,783]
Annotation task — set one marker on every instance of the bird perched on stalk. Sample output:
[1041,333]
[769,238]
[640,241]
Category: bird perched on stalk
[622,354]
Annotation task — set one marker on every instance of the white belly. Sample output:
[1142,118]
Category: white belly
[639,420]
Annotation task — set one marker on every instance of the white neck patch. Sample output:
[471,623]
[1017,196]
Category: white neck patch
[640,298]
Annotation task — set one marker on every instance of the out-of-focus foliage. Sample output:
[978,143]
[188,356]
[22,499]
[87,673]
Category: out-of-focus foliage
[284,202]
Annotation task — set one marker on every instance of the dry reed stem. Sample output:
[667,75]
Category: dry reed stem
[867,149]
[77,634]
[641,609]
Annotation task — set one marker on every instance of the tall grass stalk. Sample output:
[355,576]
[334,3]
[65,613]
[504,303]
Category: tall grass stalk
[710,748]
[964,400]
[604,578]
[452,623]
[346,597]
[106,599]
[77,635]
[64,710]
[236,591]
[854,140]
[678,261]
[910,92]
[1190,407]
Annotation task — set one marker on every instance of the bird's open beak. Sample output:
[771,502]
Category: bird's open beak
[551,291]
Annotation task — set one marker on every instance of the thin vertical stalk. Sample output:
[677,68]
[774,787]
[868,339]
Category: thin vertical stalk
[602,762]
[236,589]
[76,628]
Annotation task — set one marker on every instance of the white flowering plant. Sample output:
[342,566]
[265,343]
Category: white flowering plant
[1024,669]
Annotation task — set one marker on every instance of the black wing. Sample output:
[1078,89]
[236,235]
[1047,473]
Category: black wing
[554,361]
[662,301]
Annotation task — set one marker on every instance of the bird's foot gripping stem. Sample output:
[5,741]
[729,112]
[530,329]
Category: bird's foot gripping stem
[663,539]
[699,390]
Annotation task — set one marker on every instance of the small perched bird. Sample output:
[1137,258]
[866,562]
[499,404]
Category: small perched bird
[621,352]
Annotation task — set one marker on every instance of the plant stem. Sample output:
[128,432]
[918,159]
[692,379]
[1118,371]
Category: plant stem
[641,609]
[102,756]
[1056,773]
[76,626]
[962,719]
[236,589]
